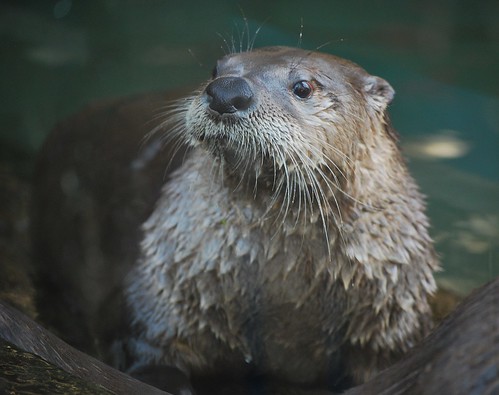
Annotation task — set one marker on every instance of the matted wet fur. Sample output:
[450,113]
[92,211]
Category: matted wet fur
[293,241]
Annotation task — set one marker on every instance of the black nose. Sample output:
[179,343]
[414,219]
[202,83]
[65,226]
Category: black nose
[229,94]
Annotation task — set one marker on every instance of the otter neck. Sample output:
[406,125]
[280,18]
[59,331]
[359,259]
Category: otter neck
[286,194]
[378,167]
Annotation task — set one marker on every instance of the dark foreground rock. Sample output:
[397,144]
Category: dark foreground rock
[460,357]
[35,361]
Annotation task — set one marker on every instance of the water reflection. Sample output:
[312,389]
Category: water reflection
[478,234]
[445,144]
[464,211]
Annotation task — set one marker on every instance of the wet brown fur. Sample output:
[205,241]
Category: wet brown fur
[293,241]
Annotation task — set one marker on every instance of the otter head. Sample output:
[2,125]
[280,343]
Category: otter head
[288,118]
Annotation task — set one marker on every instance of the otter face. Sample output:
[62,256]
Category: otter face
[285,115]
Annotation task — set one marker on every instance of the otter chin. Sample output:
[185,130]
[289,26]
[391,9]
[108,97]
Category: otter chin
[292,242]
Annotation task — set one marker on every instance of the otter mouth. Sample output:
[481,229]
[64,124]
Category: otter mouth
[219,132]
[234,140]
[218,146]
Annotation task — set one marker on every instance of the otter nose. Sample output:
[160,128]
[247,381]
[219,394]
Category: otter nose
[229,94]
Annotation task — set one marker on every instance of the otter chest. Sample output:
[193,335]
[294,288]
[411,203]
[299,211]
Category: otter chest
[274,305]
[234,285]
[269,321]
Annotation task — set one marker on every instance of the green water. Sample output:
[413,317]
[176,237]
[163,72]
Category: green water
[442,57]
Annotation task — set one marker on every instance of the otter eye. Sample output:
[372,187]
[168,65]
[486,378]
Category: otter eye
[303,89]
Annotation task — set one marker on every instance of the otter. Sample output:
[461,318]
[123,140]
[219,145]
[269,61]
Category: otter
[286,240]
[293,241]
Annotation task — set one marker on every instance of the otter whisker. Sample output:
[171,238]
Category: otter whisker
[304,190]
[287,186]
[315,142]
[283,184]
[300,37]
[277,177]
[174,122]
[321,158]
[338,169]
[255,35]
[332,186]
[322,202]
[295,175]
[226,49]
[329,185]
[303,166]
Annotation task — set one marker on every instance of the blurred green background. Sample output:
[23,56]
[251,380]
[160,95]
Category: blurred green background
[442,57]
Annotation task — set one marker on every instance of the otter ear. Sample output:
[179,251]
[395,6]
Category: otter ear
[379,91]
